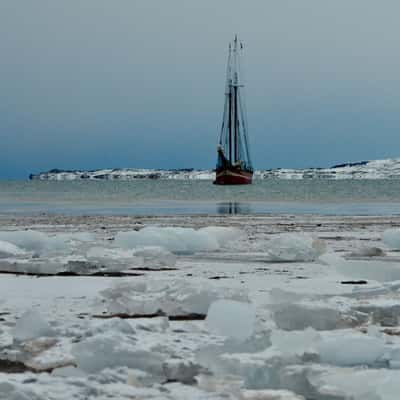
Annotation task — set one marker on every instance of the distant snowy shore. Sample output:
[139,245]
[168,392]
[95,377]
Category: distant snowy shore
[376,169]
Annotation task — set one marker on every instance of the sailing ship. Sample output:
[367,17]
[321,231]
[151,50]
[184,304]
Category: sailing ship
[234,165]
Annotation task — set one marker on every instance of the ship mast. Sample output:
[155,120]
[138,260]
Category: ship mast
[233,146]
[229,107]
[235,85]
[233,162]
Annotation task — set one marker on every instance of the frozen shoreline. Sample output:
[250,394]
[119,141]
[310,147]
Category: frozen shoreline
[374,169]
[321,323]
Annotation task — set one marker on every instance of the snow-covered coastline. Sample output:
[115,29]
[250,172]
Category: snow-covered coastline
[123,174]
[375,169]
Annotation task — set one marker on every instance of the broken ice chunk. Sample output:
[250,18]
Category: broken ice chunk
[8,249]
[68,372]
[391,237]
[33,240]
[13,391]
[295,343]
[31,325]
[351,349]
[172,298]
[300,316]
[294,247]
[381,271]
[228,384]
[54,265]
[111,350]
[41,243]
[103,253]
[367,252]
[231,318]
[178,239]
[222,234]
[353,383]
[112,325]
[156,257]
[173,239]
[269,394]
[181,371]
[77,236]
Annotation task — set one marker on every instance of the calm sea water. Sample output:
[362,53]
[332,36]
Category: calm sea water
[157,197]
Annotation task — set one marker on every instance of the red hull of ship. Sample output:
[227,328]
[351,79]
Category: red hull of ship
[233,177]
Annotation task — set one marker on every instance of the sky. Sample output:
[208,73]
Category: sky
[140,83]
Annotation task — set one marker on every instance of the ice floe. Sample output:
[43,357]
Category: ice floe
[107,351]
[152,257]
[112,326]
[155,257]
[352,349]
[32,325]
[231,318]
[294,247]
[183,371]
[42,243]
[74,265]
[357,384]
[96,260]
[176,239]
[8,249]
[9,391]
[367,251]
[100,253]
[167,297]
[293,346]
[377,270]
[34,241]
[269,395]
[391,237]
[291,316]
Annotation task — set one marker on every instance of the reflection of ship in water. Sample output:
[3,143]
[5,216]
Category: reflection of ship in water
[233,207]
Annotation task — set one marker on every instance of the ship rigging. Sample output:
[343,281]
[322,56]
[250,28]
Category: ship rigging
[234,165]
